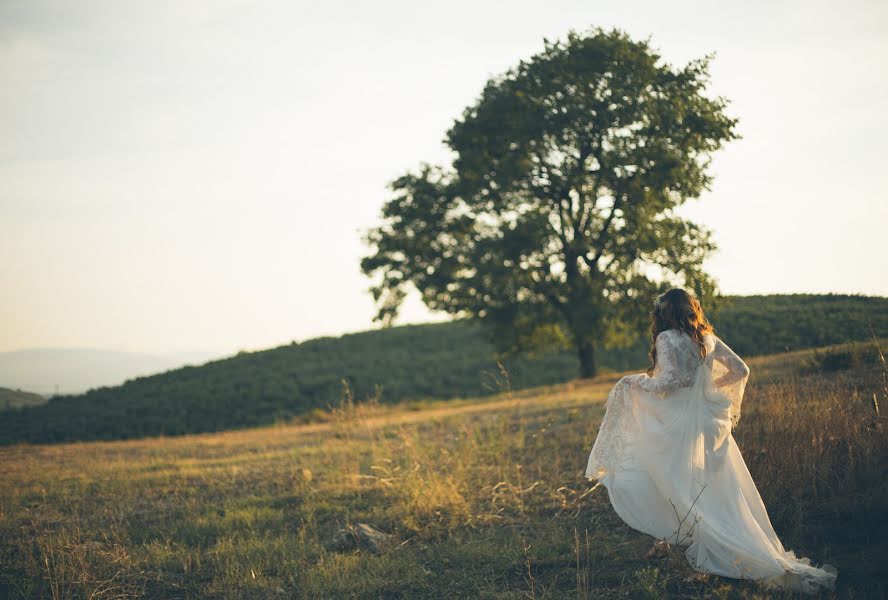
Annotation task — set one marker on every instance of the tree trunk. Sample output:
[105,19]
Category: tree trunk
[586,354]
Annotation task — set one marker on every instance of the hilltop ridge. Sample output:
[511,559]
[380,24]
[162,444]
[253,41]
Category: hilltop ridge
[409,362]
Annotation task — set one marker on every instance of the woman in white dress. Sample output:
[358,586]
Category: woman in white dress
[666,455]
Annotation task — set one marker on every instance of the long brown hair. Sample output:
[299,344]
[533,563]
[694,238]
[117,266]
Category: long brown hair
[678,309]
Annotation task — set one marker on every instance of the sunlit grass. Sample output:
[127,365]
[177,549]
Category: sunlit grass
[484,498]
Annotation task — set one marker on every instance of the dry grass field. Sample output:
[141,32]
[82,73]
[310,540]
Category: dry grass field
[482,498]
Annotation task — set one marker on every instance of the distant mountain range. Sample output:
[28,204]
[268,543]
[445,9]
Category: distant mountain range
[50,371]
[409,362]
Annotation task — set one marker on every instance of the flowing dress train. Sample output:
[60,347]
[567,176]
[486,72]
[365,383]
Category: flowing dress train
[667,457]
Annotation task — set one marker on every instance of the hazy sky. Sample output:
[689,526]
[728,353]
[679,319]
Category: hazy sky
[180,175]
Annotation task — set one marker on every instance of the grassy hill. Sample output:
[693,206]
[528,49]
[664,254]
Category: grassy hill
[412,362]
[482,498]
[10,399]
[76,370]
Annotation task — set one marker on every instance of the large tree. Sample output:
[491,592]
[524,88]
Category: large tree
[556,221]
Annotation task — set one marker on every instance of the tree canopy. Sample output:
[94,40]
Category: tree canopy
[556,221]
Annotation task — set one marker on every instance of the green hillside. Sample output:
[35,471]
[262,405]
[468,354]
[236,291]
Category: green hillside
[10,399]
[442,360]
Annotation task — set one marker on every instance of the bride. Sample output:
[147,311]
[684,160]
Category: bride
[666,455]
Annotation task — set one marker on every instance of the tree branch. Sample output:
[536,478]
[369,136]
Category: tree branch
[577,219]
[543,287]
[602,233]
[558,304]
[596,187]
[556,201]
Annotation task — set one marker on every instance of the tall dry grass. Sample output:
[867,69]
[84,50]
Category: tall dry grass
[483,499]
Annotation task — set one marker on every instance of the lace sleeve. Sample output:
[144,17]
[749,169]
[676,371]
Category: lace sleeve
[736,368]
[730,375]
[675,367]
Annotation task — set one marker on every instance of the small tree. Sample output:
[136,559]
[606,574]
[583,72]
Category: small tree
[556,221]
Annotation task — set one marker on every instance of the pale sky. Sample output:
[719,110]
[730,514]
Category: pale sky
[180,175]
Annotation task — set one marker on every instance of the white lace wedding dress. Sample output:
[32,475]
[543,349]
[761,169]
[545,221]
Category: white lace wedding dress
[672,469]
